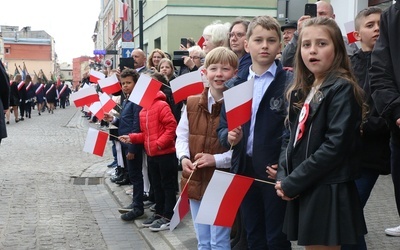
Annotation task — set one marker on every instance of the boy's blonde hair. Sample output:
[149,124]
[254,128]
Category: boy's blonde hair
[267,22]
[363,14]
[221,55]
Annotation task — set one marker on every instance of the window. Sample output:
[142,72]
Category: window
[157,43]
[7,50]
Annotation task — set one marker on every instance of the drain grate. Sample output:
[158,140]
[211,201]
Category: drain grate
[87,180]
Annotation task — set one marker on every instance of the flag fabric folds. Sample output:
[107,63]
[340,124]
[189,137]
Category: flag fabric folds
[222,198]
[96,142]
[145,91]
[123,11]
[106,102]
[186,85]
[181,208]
[110,85]
[95,76]
[237,101]
[85,96]
[349,27]
[97,110]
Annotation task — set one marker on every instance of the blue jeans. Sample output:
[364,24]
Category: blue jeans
[209,236]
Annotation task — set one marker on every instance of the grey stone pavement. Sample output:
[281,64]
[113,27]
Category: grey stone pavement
[55,196]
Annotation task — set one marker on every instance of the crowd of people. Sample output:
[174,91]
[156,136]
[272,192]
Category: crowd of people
[32,93]
[324,125]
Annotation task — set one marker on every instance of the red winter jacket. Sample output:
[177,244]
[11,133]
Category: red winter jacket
[157,126]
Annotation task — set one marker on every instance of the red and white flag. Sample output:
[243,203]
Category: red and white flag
[110,85]
[222,199]
[95,76]
[145,91]
[187,85]
[85,96]
[349,27]
[106,102]
[237,101]
[97,110]
[20,85]
[181,208]
[96,142]
[123,11]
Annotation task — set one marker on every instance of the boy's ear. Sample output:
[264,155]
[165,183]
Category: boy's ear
[246,46]
[357,35]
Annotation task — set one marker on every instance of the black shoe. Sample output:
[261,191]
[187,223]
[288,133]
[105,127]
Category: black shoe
[7,122]
[145,197]
[40,114]
[126,209]
[22,118]
[124,181]
[132,215]
[116,178]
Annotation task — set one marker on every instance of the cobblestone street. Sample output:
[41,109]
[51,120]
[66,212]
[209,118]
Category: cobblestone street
[55,196]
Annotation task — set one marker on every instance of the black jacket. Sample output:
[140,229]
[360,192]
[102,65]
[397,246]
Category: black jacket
[327,152]
[4,99]
[385,73]
[376,135]
[268,129]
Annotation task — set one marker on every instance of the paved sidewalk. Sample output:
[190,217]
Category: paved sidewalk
[380,213]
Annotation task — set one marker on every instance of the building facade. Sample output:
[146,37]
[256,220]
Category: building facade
[164,22]
[35,49]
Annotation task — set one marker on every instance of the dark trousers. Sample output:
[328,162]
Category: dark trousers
[135,176]
[62,102]
[28,109]
[22,108]
[163,177]
[262,215]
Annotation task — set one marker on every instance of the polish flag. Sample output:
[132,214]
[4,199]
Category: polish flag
[237,101]
[95,76]
[110,85]
[222,198]
[187,85]
[85,96]
[145,91]
[106,102]
[181,208]
[123,11]
[349,27]
[97,109]
[96,142]
[201,41]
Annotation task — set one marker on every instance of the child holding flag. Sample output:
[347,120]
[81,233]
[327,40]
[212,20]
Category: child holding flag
[197,144]
[256,144]
[157,133]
